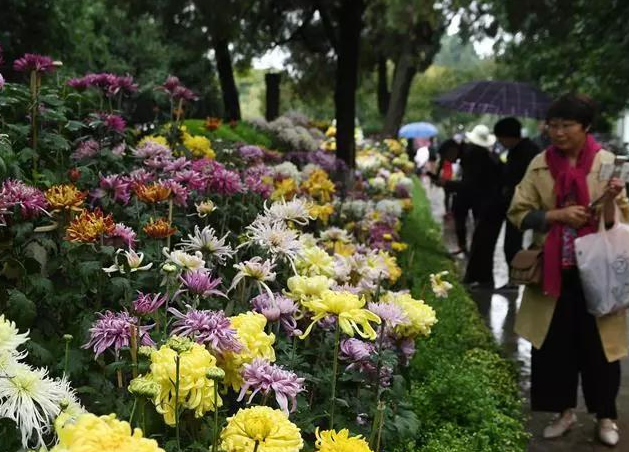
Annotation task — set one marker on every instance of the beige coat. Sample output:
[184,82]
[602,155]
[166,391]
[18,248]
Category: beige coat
[535,192]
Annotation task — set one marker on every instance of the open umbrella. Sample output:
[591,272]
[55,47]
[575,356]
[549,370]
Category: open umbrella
[418,130]
[497,97]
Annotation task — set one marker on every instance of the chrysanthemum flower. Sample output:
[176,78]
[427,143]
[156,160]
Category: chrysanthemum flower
[114,330]
[295,211]
[333,441]
[34,62]
[183,260]
[256,269]
[322,212]
[90,433]
[199,146]
[391,314]
[10,337]
[210,328]
[31,201]
[114,123]
[153,193]
[206,241]
[122,235]
[204,208]
[277,308]
[319,186]
[313,261]
[224,182]
[196,390]
[285,189]
[134,262]
[114,185]
[256,344]
[274,237]
[147,303]
[421,317]
[347,308]
[264,377]
[152,147]
[64,197]
[158,229]
[89,227]
[440,287]
[304,288]
[270,428]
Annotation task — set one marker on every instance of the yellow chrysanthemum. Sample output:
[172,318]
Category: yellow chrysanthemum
[344,249]
[333,441]
[270,428]
[394,269]
[394,146]
[399,246]
[331,132]
[319,186]
[89,227]
[196,390]
[303,288]
[155,139]
[348,309]
[313,261]
[199,146]
[90,433]
[65,196]
[256,344]
[329,145]
[284,189]
[421,317]
[321,212]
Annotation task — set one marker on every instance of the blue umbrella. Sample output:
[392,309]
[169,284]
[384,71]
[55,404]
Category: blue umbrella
[418,130]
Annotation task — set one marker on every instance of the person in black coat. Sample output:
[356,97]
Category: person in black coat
[508,132]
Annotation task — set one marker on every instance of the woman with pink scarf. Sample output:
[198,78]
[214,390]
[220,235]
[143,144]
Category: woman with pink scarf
[554,199]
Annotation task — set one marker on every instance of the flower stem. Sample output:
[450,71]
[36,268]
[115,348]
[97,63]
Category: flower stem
[215,443]
[379,361]
[177,362]
[335,365]
[65,361]
[134,348]
[170,220]
[135,403]
[255,448]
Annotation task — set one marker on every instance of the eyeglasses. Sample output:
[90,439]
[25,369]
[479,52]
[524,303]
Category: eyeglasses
[561,126]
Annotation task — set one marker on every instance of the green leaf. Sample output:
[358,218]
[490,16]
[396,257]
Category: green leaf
[26,155]
[39,352]
[73,126]
[40,284]
[20,309]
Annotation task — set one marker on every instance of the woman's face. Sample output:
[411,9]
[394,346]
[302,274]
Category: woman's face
[566,134]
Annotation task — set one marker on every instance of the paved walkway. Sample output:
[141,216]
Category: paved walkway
[499,310]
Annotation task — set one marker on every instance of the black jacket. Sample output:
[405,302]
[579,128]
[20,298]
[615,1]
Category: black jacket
[518,161]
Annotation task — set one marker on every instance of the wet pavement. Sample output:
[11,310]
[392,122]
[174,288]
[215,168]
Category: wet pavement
[498,310]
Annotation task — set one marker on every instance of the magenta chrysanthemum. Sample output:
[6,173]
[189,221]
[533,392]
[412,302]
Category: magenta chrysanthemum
[109,84]
[148,303]
[122,237]
[179,192]
[261,376]
[194,180]
[114,185]
[33,62]
[31,200]
[200,282]
[225,182]
[114,123]
[114,330]
[210,328]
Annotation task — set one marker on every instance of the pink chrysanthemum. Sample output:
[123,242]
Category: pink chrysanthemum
[114,185]
[114,123]
[114,330]
[150,149]
[33,62]
[148,303]
[176,165]
[264,377]
[391,314]
[31,200]
[194,180]
[179,192]
[211,328]
[122,237]
[140,176]
[85,149]
[225,182]
[279,308]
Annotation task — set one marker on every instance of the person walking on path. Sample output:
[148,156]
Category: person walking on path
[521,151]
[553,199]
[482,181]
[449,152]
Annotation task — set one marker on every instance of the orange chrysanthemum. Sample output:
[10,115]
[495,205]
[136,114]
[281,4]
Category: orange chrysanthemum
[65,196]
[212,123]
[153,193]
[89,227]
[159,229]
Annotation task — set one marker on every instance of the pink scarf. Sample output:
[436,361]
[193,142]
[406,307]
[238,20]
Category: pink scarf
[568,179]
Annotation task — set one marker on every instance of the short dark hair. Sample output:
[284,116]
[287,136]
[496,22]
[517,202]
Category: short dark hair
[448,144]
[575,107]
[508,127]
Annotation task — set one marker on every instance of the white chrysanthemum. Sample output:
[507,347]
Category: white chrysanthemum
[296,210]
[185,261]
[357,208]
[287,170]
[32,400]
[134,262]
[440,287]
[275,238]
[335,234]
[307,240]
[258,270]
[378,183]
[206,241]
[10,337]
[391,207]
[342,268]
[309,169]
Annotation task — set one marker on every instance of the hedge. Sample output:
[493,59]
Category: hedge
[464,393]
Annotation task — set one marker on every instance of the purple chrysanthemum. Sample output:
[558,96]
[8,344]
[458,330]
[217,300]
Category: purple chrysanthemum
[390,313]
[179,192]
[114,123]
[148,303]
[359,354]
[210,328]
[264,377]
[150,149]
[171,83]
[114,330]
[176,165]
[109,84]
[181,92]
[34,62]
[200,282]
[194,180]
[407,347]
[85,149]
[114,185]
[225,182]
[279,308]
[80,84]
[140,176]
[251,153]
[31,200]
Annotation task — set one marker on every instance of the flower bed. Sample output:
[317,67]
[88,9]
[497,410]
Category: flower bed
[184,293]
[464,394]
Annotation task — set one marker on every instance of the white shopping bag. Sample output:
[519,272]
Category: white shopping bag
[603,260]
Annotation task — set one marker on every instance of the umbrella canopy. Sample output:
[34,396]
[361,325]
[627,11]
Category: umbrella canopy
[497,97]
[418,130]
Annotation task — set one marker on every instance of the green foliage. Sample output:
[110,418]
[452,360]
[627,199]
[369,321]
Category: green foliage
[464,394]
[240,132]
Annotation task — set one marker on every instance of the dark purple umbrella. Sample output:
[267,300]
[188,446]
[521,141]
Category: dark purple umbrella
[498,98]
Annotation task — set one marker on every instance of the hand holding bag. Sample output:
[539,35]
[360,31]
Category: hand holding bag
[527,267]
[603,261]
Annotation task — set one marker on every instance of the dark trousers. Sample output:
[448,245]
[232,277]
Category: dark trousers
[480,267]
[461,206]
[572,348]
[513,242]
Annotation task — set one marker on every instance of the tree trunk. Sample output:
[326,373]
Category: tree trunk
[405,71]
[272,95]
[347,54]
[225,70]
[383,87]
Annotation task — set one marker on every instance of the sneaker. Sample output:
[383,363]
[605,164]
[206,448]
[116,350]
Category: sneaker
[559,426]
[608,432]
